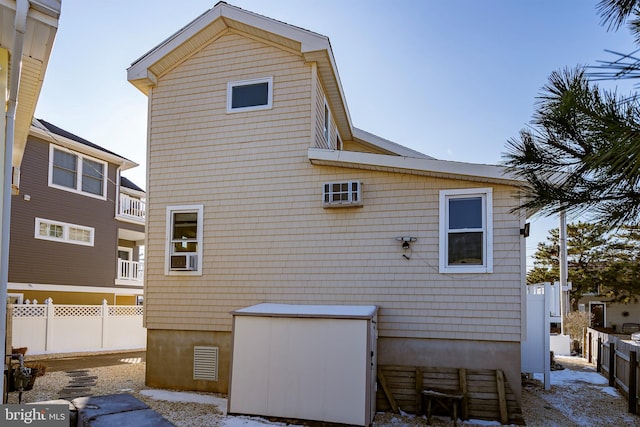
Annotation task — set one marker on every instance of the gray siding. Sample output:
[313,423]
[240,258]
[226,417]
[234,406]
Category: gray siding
[45,262]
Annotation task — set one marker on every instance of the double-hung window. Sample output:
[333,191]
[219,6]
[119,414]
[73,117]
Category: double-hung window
[466,231]
[248,95]
[77,173]
[184,240]
[57,231]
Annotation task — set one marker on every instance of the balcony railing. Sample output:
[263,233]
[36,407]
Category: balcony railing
[131,208]
[130,270]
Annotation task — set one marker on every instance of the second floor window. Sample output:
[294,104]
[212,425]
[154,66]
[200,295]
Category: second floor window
[247,95]
[75,172]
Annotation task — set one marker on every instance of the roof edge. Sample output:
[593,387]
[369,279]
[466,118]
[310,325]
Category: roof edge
[475,171]
[40,131]
[387,145]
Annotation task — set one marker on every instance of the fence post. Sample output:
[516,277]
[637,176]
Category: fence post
[633,384]
[590,347]
[105,314]
[612,364]
[48,329]
[598,355]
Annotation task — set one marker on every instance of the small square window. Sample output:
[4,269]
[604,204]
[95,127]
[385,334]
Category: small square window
[248,95]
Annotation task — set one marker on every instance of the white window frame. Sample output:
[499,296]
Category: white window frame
[267,106]
[199,209]
[487,230]
[79,166]
[326,125]
[65,232]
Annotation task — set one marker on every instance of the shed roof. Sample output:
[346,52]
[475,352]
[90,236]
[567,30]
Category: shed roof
[303,310]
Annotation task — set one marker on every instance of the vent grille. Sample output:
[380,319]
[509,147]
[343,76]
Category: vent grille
[205,363]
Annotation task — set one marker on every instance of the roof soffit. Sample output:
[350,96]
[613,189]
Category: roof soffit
[42,25]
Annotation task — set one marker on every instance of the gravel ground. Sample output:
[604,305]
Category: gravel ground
[565,405]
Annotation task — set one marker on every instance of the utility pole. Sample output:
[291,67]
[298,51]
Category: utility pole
[563,267]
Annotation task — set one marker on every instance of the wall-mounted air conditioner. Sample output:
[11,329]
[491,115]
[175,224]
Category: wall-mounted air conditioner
[186,262]
[342,194]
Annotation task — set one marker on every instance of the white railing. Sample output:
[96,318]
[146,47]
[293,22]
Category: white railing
[130,270]
[48,328]
[131,208]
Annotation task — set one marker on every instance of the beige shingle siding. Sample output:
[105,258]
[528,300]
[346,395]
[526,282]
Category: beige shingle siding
[267,237]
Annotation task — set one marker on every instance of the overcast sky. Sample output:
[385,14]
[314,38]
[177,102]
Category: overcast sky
[452,79]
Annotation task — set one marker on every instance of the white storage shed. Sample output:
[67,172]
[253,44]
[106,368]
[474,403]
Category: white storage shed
[310,362]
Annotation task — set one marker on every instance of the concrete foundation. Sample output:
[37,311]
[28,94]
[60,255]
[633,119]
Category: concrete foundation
[170,359]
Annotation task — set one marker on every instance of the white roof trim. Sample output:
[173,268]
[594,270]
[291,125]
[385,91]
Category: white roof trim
[310,41]
[355,159]
[387,145]
[46,135]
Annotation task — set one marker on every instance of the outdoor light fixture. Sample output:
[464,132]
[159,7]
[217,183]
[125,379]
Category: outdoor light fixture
[406,241]
[406,244]
[525,231]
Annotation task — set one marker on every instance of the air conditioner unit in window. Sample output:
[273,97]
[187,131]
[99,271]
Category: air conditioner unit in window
[342,194]
[187,262]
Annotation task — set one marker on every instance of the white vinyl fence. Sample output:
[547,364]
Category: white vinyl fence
[56,328]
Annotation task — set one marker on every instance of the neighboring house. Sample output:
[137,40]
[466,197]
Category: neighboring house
[606,313]
[76,234]
[260,189]
[28,31]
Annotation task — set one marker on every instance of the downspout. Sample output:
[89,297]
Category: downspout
[20,25]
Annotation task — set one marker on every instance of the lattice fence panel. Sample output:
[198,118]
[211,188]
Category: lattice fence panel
[78,311]
[29,311]
[126,310]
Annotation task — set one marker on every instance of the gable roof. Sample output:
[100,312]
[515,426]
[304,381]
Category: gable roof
[313,47]
[223,18]
[49,132]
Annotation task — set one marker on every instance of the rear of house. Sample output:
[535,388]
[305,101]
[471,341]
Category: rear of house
[262,191]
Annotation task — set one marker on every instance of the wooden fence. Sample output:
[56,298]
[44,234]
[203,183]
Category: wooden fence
[487,394]
[617,359]
[61,328]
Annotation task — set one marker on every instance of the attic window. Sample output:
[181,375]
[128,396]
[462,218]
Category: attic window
[248,95]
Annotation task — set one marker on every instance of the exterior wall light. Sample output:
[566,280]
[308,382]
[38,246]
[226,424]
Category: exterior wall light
[406,244]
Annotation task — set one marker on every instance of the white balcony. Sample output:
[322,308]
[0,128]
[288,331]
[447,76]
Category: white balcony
[130,272]
[131,208]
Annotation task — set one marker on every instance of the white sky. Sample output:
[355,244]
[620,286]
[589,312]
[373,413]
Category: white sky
[452,79]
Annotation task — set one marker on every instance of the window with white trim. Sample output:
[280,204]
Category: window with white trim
[64,232]
[184,240]
[326,129]
[77,173]
[466,231]
[249,95]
